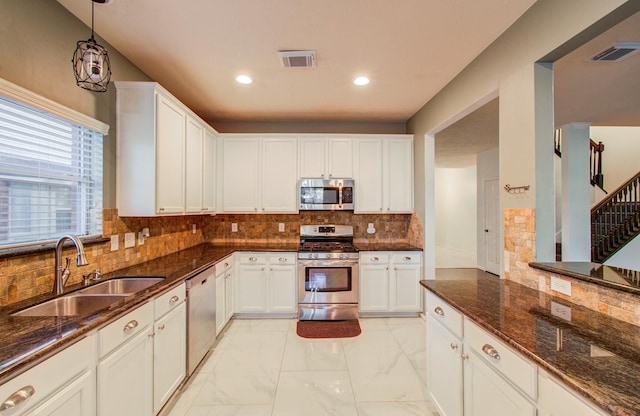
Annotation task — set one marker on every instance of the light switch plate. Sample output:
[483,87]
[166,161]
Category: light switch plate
[141,238]
[281,227]
[234,227]
[115,242]
[561,285]
[129,240]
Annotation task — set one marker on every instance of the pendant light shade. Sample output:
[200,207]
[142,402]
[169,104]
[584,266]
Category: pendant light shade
[91,62]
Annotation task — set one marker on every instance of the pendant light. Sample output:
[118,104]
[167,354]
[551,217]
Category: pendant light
[91,62]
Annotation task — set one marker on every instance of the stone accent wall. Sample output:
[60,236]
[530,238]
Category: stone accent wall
[519,251]
[25,276]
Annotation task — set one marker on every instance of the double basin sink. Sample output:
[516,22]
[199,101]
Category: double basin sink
[92,298]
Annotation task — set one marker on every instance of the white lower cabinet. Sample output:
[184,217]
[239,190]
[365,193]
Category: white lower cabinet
[557,400]
[471,373]
[169,345]
[266,283]
[389,282]
[63,385]
[224,293]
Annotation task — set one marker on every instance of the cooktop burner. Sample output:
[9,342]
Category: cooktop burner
[335,246]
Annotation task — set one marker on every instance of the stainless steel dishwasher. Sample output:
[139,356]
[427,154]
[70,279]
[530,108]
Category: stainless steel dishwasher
[201,319]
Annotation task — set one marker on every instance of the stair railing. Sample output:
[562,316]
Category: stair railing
[615,220]
[597,178]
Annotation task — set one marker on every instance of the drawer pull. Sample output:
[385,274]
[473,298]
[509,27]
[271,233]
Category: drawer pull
[374,259]
[283,259]
[491,352]
[174,299]
[17,398]
[160,327]
[407,258]
[253,259]
[465,356]
[454,346]
[226,265]
[130,325]
[438,310]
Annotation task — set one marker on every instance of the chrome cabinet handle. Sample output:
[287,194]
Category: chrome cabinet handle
[438,310]
[407,258]
[283,259]
[491,352]
[130,325]
[454,346]
[17,398]
[174,299]
[465,356]
[161,327]
[161,209]
[374,259]
[253,259]
[226,265]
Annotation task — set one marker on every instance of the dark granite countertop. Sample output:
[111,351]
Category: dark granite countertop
[30,340]
[613,277]
[388,246]
[599,356]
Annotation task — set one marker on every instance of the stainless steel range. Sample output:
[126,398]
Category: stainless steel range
[327,273]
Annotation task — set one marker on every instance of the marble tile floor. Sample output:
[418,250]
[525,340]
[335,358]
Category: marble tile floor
[261,367]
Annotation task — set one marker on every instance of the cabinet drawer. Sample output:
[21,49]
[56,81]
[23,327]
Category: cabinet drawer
[282,259]
[445,314]
[124,328]
[169,300]
[41,381]
[502,358]
[374,257]
[224,265]
[411,257]
[252,258]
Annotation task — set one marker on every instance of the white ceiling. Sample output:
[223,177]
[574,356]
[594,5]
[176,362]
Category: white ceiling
[409,48]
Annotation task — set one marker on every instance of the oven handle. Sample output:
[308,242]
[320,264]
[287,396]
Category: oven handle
[327,263]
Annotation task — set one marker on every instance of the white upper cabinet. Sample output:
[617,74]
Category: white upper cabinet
[209,172]
[384,174]
[326,158]
[259,174]
[160,161]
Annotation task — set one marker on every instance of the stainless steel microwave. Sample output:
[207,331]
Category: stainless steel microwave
[326,194]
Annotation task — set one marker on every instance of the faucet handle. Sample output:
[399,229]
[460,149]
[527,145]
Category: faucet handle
[87,277]
[67,262]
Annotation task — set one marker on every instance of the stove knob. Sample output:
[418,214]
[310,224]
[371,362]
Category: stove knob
[315,255]
[341,255]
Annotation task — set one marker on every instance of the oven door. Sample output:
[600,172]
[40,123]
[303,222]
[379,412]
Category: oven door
[327,281]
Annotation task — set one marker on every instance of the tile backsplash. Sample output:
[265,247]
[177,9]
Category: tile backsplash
[25,276]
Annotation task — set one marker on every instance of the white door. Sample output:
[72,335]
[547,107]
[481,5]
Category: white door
[404,290]
[374,288]
[399,181]
[240,160]
[491,232]
[169,355]
[229,304]
[279,175]
[340,158]
[312,157]
[170,133]
[76,399]
[368,176]
[444,364]
[220,303]
[282,289]
[193,165]
[209,173]
[252,289]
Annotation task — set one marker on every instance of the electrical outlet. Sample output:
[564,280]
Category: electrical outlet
[561,311]
[281,227]
[115,242]
[140,238]
[129,240]
[193,228]
[234,227]
[561,285]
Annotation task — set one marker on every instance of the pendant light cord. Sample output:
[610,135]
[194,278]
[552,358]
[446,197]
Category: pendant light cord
[93,3]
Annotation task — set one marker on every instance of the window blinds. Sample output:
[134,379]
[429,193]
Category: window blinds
[50,176]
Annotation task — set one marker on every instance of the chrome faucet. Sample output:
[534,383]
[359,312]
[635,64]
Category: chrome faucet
[63,275]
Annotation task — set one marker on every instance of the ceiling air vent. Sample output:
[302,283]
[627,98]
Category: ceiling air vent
[616,52]
[298,59]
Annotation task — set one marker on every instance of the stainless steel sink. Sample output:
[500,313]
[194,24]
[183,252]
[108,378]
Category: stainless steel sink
[71,305]
[122,286]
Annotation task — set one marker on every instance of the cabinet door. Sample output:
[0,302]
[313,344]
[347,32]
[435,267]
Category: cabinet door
[169,355]
[404,288]
[252,289]
[229,304]
[488,394]
[170,133]
[368,176]
[282,289]
[76,399]
[444,364]
[399,188]
[125,378]
[279,175]
[313,157]
[209,172]
[220,303]
[557,400]
[374,288]
[240,161]
[340,158]
[194,143]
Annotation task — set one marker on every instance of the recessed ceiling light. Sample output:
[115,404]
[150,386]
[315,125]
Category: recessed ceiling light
[244,79]
[361,81]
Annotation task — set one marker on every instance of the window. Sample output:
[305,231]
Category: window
[50,176]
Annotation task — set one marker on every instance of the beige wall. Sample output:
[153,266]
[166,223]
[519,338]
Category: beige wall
[37,40]
[309,126]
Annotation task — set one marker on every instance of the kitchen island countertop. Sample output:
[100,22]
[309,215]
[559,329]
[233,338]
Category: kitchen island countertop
[522,318]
